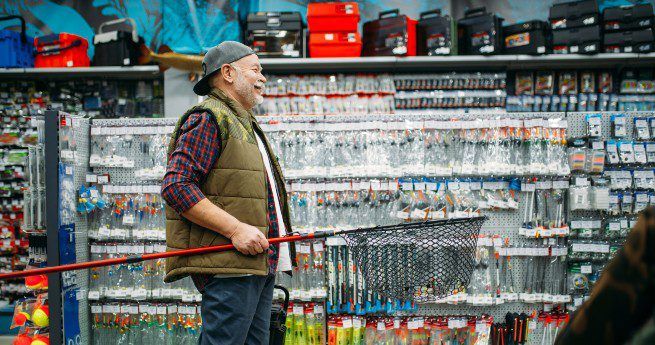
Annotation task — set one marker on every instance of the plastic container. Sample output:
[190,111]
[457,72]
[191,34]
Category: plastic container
[583,40]
[628,42]
[480,32]
[633,17]
[276,34]
[16,49]
[574,14]
[116,48]
[61,50]
[337,44]
[333,17]
[526,38]
[435,34]
[392,34]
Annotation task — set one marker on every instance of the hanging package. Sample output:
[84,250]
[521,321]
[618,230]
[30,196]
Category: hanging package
[276,34]
[526,38]
[391,34]
[61,50]
[628,42]
[479,32]
[116,48]
[633,17]
[335,44]
[16,49]
[332,17]
[434,34]
[574,14]
[584,40]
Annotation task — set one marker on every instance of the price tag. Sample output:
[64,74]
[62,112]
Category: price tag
[161,310]
[102,179]
[585,269]
[347,322]
[96,309]
[318,310]
[581,181]
[94,295]
[304,249]
[297,310]
[91,178]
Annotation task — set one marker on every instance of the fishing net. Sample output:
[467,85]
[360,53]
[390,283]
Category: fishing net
[416,261]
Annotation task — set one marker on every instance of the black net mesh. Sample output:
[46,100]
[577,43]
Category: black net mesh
[417,261]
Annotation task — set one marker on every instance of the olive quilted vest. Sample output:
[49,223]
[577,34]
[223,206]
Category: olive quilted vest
[236,184]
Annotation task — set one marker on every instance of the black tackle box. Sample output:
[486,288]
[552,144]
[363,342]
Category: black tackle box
[116,48]
[434,34]
[628,41]
[480,32]
[633,17]
[527,38]
[391,34]
[583,40]
[276,34]
[574,14]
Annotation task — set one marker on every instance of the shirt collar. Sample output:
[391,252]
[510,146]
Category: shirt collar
[232,103]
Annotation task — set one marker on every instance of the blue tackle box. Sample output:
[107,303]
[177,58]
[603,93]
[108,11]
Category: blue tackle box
[16,49]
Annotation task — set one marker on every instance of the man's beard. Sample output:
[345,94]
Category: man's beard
[246,91]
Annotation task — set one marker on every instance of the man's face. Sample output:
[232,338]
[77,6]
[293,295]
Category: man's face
[249,81]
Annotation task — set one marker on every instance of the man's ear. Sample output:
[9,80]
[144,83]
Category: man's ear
[228,73]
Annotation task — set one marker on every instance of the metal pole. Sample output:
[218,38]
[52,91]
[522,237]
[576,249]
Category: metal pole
[51,148]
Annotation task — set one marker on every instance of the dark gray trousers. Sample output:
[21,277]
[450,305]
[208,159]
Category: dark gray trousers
[237,311]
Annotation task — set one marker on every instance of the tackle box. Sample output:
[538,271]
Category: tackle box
[332,17]
[276,34]
[583,40]
[633,17]
[391,34]
[16,48]
[480,32]
[118,47]
[527,38]
[628,42]
[574,14]
[434,34]
[61,50]
[335,44]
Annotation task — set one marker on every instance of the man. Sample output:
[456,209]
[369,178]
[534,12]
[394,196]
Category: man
[623,300]
[223,185]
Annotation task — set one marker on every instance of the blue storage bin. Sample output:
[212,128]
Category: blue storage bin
[16,49]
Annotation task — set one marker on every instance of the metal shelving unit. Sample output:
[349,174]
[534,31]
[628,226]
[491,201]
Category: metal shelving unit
[423,63]
[150,71]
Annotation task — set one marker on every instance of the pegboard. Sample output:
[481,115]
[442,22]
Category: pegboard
[81,127]
[578,125]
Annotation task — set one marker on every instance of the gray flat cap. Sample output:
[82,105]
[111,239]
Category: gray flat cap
[226,52]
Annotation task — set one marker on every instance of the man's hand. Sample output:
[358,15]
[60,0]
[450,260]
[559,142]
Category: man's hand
[248,239]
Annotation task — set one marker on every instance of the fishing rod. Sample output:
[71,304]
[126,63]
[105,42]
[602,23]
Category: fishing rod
[130,259]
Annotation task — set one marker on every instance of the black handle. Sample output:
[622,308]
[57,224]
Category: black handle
[23,36]
[470,12]
[384,14]
[75,43]
[427,14]
[286,296]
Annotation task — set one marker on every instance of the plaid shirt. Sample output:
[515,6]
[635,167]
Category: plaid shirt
[196,152]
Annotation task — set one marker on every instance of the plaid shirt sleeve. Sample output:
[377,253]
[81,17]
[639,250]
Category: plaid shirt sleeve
[196,151]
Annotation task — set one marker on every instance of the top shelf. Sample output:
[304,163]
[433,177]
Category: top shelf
[114,72]
[461,62]
[369,64]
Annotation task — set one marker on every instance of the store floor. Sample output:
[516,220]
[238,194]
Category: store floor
[6,340]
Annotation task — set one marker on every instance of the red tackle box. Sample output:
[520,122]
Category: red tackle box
[333,17]
[335,44]
[61,50]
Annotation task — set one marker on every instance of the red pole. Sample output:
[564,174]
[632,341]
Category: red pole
[145,257]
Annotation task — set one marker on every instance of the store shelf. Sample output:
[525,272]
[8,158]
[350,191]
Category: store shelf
[73,72]
[423,63]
